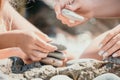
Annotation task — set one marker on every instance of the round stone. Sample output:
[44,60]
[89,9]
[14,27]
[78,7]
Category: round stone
[37,79]
[61,77]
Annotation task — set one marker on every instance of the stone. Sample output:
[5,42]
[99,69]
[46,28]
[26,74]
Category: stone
[84,69]
[37,79]
[107,76]
[3,76]
[57,55]
[60,77]
[52,61]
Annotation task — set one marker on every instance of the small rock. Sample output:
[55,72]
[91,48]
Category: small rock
[57,55]
[37,79]
[3,77]
[79,61]
[107,76]
[59,46]
[61,77]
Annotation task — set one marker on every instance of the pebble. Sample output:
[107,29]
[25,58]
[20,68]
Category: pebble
[61,77]
[79,61]
[107,76]
[57,55]
[3,77]
[37,79]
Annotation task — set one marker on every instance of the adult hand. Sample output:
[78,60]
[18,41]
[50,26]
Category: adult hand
[29,42]
[111,43]
[81,7]
[33,45]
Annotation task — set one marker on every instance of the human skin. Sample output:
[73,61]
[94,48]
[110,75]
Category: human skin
[87,9]
[28,42]
[110,45]
[93,49]
[106,44]
[31,37]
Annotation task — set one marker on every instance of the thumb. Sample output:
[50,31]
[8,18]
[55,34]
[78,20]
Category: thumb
[72,7]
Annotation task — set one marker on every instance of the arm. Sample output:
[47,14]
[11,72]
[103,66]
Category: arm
[19,22]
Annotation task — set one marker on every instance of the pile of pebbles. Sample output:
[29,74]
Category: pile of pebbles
[82,69]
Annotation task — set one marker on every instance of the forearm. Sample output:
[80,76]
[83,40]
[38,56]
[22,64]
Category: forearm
[9,39]
[18,22]
[106,8]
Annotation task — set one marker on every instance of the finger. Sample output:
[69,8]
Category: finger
[57,7]
[28,61]
[34,58]
[76,23]
[64,19]
[112,49]
[110,35]
[73,6]
[116,54]
[45,45]
[38,54]
[43,36]
[36,47]
[10,52]
[111,43]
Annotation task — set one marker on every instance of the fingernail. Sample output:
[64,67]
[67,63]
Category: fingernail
[57,13]
[71,21]
[55,48]
[105,54]
[101,53]
[115,55]
[49,39]
[100,46]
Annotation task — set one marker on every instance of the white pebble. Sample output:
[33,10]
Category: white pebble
[60,77]
[37,79]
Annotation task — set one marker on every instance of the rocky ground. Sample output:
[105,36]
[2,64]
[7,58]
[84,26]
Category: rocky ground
[15,69]
[83,69]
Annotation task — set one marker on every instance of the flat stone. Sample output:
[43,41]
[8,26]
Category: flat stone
[57,55]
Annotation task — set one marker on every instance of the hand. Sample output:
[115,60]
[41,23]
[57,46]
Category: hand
[32,45]
[82,7]
[111,43]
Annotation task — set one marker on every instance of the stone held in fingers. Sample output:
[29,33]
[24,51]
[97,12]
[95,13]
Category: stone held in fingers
[57,55]
[52,61]
[59,46]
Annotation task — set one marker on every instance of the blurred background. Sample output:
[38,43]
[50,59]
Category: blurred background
[41,14]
